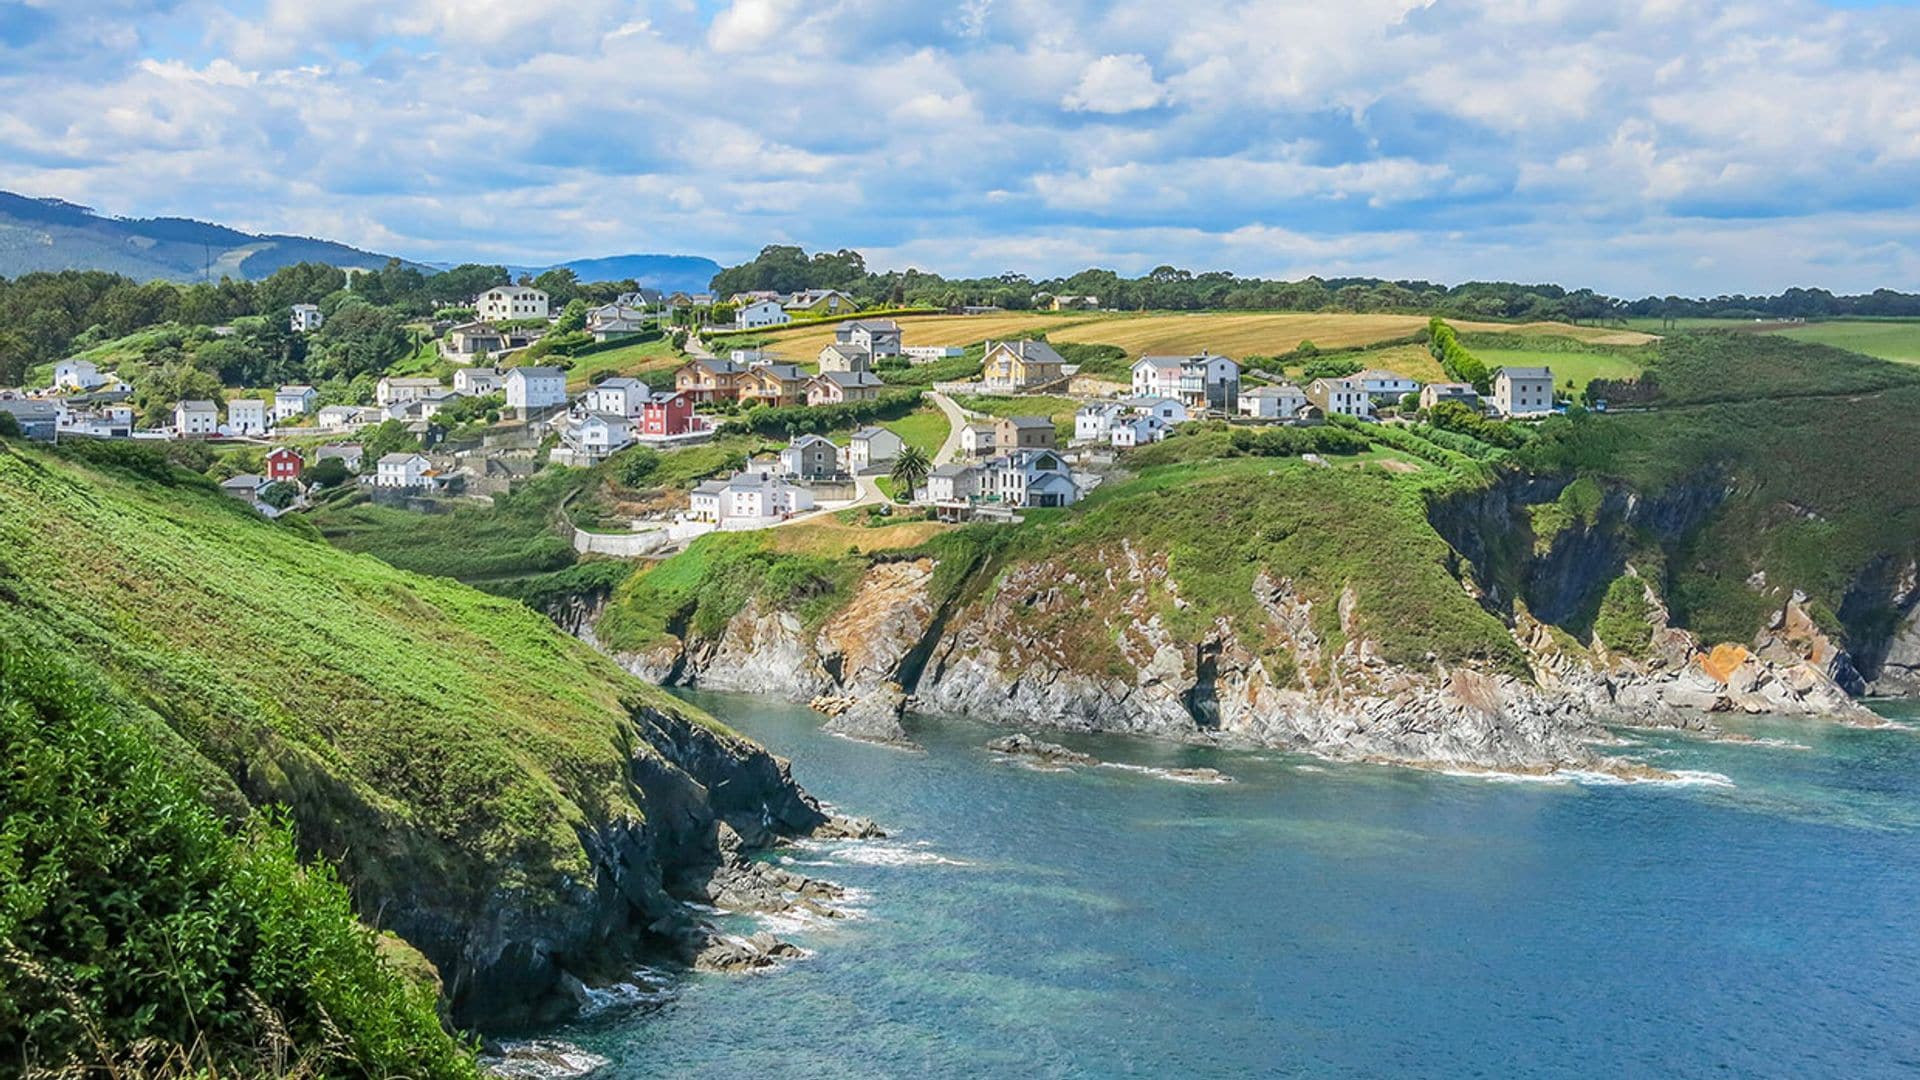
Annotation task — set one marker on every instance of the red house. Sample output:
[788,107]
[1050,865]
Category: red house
[667,413]
[284,463]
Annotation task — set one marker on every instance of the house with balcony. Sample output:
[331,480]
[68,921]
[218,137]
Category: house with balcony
[879,337]
[1011,367]
[840,387]
[507,303]
[711,379]
[1203,381]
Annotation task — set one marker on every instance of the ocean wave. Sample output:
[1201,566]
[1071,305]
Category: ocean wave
[1178,776]
[648,987]
[542,1059]
[1675,778]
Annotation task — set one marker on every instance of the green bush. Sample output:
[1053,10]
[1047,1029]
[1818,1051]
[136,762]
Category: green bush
[1459,364]
[789,420]
[1625,622]
[131,916]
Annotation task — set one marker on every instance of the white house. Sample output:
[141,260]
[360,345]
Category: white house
[615,320]
[402,470]
[1523,391]
[349,454]
[536,388]
[1137,431]
[306,318]
[979,440]
[1170,411]
[506,302]
[1436,392]
[340,417]
[1093,422]
[195,419]
[1028,478]
[1382,383]
[953,483]
[1277,402]
[478,381]
[246,416]
[748,497]
[292,402]
[873,446]
[926,354]
[760,313]
[1202,381]
[77,375]
[619,396]
[879,337]
[598,434]
[1341,397]
[392,388]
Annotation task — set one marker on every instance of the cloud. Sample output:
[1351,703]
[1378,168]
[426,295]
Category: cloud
[1116,84]
[1650,145]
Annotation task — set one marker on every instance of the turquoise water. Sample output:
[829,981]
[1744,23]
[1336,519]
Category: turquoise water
[1326,920]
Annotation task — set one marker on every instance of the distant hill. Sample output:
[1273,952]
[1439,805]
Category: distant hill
[668,273]
[51,234]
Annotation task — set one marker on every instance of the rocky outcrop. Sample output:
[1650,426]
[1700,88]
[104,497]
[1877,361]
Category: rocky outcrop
[1020,744]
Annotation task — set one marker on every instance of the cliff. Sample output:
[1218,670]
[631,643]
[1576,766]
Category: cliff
[500,796]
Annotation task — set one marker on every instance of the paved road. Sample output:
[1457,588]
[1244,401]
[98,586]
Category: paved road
[957,418]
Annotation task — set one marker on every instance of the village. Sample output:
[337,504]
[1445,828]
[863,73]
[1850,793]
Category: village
[991,466]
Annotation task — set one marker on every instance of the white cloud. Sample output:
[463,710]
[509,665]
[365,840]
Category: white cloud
[1116,84]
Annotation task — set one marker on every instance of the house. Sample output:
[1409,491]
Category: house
[873,446]
[338,417]
[808,302]
[879,337]
[1013,366]
[402,470]
[1434,393]
[244,486]
[1204,381]
[471,340]
[840,387]
[506,302]
[1094,421]
[645,299]
[597,434]
[615,320]
[246,416]
[429,406]
[668,414]
[400,388]
[621,396]
[1277,402]
[810,457]
[840,357]
[479,381]
[1137,430]
[1382,383]
[954,483]
[102,422]
[979,440]
[1024,433]
[1341,397]
[293,402]
[750,496]
[531,388]
[306,318]
[760,313]
[77,375]
[1028,478]
[348,454]
[927,354]
[775,384]
[1169,410]
[711,379]
[751,296]
[284,463]
[38,420]
[195,419]
[1523,391]
[1074,303]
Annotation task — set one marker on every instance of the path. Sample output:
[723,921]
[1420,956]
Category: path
[956,420]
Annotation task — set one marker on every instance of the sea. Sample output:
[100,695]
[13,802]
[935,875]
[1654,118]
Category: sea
[1757,917]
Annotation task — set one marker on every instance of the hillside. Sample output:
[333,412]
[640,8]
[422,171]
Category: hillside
[50,235]
[668,273]
[496,794]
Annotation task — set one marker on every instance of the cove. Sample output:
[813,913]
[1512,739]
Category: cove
[1318,919]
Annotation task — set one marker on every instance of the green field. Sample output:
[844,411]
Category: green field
[1579,368]
[1060,410]
[1888,339]
[628,360]
[925,428]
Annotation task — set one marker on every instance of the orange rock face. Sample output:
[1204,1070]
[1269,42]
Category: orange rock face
[1724,660]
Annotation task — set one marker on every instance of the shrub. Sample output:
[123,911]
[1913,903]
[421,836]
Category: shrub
[1455,360]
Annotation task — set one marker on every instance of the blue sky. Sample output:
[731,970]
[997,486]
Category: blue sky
[1638,147]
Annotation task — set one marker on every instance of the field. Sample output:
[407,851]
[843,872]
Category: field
[1232,333]
[1058,409]
[638,359]
[925,428]
[1579,368]
[1888,339]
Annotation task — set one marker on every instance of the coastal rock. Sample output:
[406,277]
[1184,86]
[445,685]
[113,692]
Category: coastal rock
[1024,745]
[873,716]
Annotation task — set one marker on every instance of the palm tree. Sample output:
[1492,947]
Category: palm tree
[910,469]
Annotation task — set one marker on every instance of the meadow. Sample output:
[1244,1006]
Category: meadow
[1578,368]
[1887,339]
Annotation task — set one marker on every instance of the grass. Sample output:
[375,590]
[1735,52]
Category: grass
[1578,368]
[648,356]
[1887,339]
[704,587]
[1233,333]
[1058,409]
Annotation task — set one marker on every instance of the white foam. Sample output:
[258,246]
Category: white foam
[886,854]
[1676,778]
[650,988]
[1496,777]
[543,1059]
[1178,776]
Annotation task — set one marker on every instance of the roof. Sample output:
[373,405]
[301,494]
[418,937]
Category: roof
[607,418]
[337,450]
[1033,352]
[620,383]
[710,487]
[1028,421]
[399,457]
[1524,372]
[410,380]
[1374,374]
[847,349]
[513,290]
[981,429]
[1145,401]
[852,379]
[295,388]
[244,480]
[282,451]
[809,440]
[717,365]
[26,409]
[1285,389]
[1453,387]
[195,405]
[1092,407]
[954,469]
[867,433]
[887,325]
[783,372]
[537,372]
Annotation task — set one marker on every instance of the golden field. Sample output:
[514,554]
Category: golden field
[1234,334]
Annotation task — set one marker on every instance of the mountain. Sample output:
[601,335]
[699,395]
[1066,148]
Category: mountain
[51,234]
[668,273]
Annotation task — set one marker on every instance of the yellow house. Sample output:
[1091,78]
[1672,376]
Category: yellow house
[820,302]
[1021,365]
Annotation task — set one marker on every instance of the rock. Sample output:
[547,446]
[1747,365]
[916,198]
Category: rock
[1023,745]
[873,717]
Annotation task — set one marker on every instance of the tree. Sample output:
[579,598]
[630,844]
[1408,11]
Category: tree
[358,338]
[910,469]
[561,285]
[279,495]
[9,426]
[573,319]
[327,473]
[386,438]
[638,465]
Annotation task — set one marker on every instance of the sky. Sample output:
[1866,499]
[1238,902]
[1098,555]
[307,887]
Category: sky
[1637,147]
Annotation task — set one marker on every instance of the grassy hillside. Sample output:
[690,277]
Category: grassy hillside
[449,749]
[1887,339]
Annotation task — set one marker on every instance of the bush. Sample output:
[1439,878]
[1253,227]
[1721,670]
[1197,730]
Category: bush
[789,420]
[1292,442]
[1455,360]
[1329,367]
[129,912]
[1465,420]
[637,465]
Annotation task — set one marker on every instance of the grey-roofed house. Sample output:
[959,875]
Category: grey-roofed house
[840,387]
[38,420]
[1024,433]
[879,337]
[1523,391]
